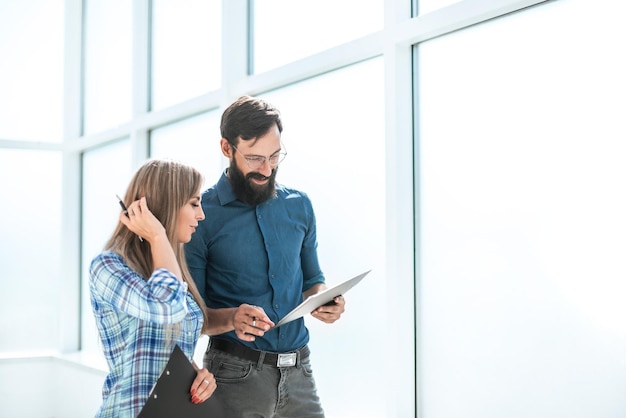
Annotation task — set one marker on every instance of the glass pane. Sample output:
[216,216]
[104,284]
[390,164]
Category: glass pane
[30,249]
[194,141]
[106,172]
[108,64]
[323,161]
[186,50]
[427,6]
[522,216]
[31,72]
[287,30]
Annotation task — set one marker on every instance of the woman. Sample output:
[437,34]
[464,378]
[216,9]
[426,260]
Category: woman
[143,297]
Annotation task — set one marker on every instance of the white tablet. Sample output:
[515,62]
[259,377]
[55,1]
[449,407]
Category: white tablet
[321,298]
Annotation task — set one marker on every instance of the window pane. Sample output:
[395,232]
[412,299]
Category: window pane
[106,172]
[324,161]
[108,64]
[186,50]
[30,253]
[31,72]
[522,216]
[287,30]
[194,141]
[427,6]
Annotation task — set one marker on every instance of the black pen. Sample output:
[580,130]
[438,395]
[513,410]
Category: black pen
[119,199]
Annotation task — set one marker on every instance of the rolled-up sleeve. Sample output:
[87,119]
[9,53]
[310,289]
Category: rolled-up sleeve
[311,270]
[113,285]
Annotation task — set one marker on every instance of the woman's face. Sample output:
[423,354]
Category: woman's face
[188,217]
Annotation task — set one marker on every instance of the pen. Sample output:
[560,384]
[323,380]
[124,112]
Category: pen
[119,199]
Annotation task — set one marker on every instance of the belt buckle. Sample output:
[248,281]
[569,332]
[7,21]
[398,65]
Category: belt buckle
[287,360]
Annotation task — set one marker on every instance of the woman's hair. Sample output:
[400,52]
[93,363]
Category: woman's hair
[167,186]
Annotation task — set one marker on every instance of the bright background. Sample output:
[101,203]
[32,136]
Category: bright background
[469,152]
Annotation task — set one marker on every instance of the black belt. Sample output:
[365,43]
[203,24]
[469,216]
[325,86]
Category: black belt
[288,359]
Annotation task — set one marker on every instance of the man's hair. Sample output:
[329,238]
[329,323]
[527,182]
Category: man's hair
[249,118]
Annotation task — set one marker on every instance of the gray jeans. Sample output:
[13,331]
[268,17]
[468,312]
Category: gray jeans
[249,389]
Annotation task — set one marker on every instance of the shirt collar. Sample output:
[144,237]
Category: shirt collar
[225,191]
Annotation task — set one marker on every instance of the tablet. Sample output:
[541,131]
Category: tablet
[321,298]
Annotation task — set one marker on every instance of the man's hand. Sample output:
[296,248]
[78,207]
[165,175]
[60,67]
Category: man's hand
[250,322]
[330,312]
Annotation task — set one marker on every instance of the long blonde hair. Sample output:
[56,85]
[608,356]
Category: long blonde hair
[167,186]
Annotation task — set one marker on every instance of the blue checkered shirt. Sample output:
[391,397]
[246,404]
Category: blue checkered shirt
[139,322]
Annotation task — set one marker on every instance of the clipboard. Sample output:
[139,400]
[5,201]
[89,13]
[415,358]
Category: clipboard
[321,298]
[170,395]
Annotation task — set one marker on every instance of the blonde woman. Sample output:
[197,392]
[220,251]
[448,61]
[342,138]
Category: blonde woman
[143,297]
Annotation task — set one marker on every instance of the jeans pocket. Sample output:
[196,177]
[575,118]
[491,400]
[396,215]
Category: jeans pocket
[228,369]
[306,367]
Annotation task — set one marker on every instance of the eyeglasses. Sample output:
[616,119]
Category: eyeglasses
[256,161]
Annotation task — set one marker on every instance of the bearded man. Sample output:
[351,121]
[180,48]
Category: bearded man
[254,259]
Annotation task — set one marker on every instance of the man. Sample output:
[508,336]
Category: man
[254,259]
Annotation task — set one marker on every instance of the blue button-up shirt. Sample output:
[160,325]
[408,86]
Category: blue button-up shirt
[264,255]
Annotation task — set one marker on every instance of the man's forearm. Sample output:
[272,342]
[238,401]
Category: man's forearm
[316,288]
[220,320]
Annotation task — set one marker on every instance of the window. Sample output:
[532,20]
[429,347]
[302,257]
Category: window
[31,73]
[337,160]
[108,64]
[186,50]
[195,141]
[106,172]
[30,249]
[522,216]
[286,30]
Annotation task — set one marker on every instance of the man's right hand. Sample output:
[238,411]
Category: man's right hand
[250,321]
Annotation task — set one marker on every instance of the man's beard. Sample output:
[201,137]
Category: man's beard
[248,192]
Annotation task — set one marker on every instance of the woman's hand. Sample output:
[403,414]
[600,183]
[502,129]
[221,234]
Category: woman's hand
[141,221]
[203,386]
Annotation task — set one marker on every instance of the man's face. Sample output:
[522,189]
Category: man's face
[254,185]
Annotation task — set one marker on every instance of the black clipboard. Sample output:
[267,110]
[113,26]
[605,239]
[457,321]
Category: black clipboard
[170,396]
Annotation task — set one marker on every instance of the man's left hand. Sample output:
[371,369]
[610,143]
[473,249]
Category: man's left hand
[329,313]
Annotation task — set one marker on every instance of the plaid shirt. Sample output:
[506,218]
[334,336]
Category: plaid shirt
[139,322]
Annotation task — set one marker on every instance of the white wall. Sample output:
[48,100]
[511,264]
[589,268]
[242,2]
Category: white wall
[48,387]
